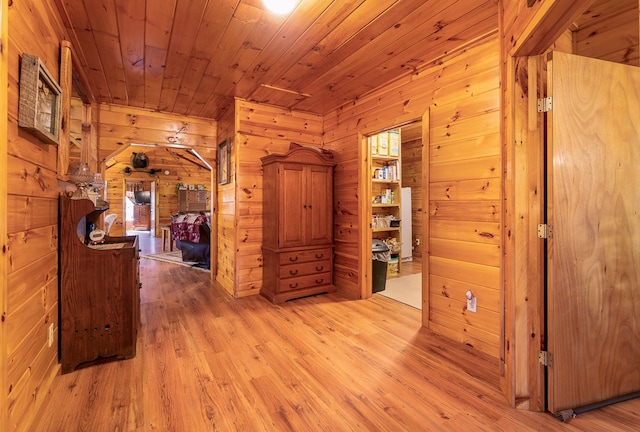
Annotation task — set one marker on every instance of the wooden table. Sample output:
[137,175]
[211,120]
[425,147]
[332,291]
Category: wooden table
[166,233]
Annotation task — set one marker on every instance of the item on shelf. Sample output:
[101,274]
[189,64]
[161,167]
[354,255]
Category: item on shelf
[392,265]
[373,141]
[394,143]
[380,221]
[97,184]
[96,236]
[81,176]
[383,144]
[393,244]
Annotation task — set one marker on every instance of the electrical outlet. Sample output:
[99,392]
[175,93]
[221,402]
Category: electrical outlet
[51,334]
[417,242]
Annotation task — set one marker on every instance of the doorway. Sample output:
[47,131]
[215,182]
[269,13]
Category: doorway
[140,206]
[396,210]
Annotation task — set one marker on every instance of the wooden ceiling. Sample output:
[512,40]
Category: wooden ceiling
[192,57]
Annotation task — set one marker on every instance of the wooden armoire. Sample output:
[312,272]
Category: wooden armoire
[298,224]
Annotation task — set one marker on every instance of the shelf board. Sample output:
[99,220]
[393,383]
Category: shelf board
[385,229]
[384,158]
[375,180]
[385,205]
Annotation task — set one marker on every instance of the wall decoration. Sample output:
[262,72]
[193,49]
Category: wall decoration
[139,160]
[40,100]
[224,161]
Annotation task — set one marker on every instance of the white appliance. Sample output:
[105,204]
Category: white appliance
[407,234]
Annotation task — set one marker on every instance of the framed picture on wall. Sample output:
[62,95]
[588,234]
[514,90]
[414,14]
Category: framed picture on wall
[40,100]
[224,161]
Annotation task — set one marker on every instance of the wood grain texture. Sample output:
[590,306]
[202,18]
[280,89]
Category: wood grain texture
[609,30]
[464,171]
[261,130]
[193,58]
[169,139]
[207,361]
[412,167]
[593,254]
[66,83]
[28,191]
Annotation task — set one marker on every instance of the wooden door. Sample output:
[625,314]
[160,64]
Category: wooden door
[291,201]
[593,311]
[319,205]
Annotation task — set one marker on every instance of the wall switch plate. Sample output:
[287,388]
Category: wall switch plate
[472,304]
[51,334]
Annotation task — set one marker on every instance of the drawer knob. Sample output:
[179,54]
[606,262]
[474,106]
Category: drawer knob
[295,285]
[319,256]
[319,281]
[293,272]
[293,259]
[319,268]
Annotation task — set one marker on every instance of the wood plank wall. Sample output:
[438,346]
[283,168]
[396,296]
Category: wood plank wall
[4,264]
[461,92]
[522,378]
[226,208]
[30,249]
[261,130]
[412,177]
[612,33]
[120,126]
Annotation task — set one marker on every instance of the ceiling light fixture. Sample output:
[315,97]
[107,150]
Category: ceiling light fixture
[280,7]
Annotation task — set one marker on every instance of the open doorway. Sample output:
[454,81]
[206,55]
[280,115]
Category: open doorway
[140,205]
[396,211]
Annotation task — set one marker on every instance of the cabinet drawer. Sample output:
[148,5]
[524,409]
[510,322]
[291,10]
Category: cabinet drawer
[305,268]
[305,256]
[296,283]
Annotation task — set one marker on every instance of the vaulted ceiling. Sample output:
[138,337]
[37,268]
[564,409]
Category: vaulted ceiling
[192,57]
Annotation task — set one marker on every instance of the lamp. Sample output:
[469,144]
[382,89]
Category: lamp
[81,176]
[280,7]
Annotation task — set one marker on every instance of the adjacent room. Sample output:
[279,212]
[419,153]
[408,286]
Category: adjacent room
[319,215]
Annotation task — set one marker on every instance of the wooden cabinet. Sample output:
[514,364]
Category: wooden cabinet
[142,217]
[386,192]
[192,200]
[99,290]
[297,225]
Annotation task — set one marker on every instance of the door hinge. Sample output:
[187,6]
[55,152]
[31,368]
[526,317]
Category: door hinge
[545,358]
[545,231]
[545,104]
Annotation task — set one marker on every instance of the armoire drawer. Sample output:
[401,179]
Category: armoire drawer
[304,268]
[305,256]
[296,283]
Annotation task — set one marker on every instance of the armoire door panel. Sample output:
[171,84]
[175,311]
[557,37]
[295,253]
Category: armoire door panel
[292,231]
[320,208]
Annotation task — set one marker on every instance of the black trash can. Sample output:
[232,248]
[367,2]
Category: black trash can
[380,258]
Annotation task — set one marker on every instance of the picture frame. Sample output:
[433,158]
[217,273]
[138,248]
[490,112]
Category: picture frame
[39,109]
[224,162]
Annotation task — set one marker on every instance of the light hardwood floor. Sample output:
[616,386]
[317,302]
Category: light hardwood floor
[208,362]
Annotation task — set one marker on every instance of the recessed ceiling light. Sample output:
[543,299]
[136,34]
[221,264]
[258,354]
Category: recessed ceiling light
[280,7]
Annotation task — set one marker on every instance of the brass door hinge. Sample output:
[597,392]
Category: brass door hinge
[545,231]
[545,104]
[545,358]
